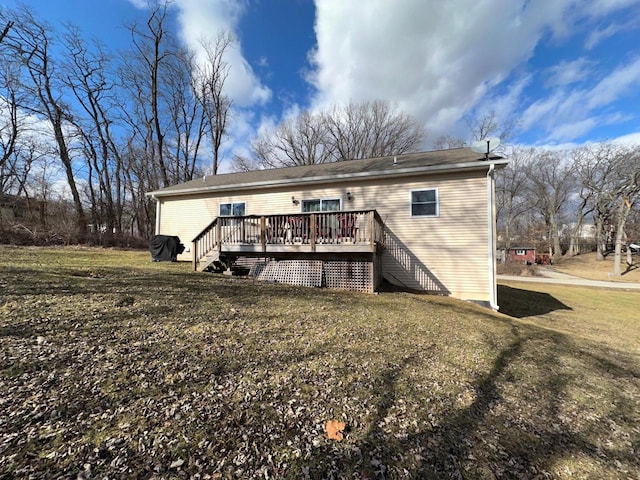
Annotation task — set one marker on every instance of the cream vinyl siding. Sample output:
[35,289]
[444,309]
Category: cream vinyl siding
[446,254]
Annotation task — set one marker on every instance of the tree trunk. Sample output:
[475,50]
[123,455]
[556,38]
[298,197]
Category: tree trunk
[599,239]
[622,214]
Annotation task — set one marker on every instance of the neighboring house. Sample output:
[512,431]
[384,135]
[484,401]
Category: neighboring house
[423,221]
[526,255]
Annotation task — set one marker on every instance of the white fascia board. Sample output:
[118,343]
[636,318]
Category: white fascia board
[399,172]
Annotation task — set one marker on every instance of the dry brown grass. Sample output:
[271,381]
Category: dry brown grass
[586,266]
[112,366]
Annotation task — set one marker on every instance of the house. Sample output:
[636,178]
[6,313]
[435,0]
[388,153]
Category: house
[423,221]
[525,255]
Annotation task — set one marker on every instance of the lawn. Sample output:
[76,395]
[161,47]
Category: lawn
[586,266]
[113,366]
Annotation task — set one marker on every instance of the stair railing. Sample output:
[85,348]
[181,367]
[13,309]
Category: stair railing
[205,242]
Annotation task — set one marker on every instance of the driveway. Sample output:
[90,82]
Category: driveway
[553,276]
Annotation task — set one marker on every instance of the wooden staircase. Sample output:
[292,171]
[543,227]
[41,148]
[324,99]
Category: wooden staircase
[206,246]
[208,260]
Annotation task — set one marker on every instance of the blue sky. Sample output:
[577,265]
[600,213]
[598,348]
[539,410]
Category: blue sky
[568,71]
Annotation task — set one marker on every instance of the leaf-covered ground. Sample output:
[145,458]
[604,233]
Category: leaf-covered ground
[115,367]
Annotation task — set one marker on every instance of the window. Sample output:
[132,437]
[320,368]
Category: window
[232,209]
[520,252]
[326,205]
[424,203]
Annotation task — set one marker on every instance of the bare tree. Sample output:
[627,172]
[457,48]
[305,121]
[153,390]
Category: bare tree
[445,142]
[550,182]
[166,121]
[489,125]
[10,122]
[187,122]
[30,41]
[366,130]
[210,76]
[582,197]
[627,169]
[371,129]
[300,140]
[142,75]
[89,75]
[138,176]
[512,201]
[596,170]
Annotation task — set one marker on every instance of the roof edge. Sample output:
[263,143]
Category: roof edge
[401,172]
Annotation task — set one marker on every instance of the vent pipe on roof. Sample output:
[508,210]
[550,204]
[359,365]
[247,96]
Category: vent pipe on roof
[395,160]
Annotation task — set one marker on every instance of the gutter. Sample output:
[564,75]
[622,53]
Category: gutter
[345,177]
[493,294]
[158,207]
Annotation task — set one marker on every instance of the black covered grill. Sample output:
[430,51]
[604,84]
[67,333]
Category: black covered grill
[165,248]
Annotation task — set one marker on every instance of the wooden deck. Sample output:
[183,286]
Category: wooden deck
[303,235]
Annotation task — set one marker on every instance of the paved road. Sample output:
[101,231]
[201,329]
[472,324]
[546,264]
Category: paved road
[553,276]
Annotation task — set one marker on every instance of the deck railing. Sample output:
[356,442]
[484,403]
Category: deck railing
[363,227]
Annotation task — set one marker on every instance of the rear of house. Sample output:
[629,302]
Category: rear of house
[436,210]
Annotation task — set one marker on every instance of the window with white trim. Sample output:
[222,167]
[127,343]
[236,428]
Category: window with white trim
[520,252]
[424,203]
[321,205]
[232,209]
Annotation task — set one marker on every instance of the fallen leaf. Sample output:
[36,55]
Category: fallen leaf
[334,430]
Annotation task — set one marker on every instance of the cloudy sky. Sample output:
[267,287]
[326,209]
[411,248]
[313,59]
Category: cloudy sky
[568,71]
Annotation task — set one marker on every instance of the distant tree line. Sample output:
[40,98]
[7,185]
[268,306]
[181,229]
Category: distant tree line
[549,198]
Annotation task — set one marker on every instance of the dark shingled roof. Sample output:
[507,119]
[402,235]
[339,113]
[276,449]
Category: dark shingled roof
[440,160]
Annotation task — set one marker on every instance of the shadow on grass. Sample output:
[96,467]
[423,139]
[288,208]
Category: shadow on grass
[520,303]
[630,268]
[495,436]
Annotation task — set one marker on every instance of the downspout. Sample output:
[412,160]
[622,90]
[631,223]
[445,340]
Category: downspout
[158,204]
[493,297]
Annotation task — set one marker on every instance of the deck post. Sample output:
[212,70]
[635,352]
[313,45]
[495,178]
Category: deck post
[195,255]
[263,233]
[312,235]
[372,231]
[218,236]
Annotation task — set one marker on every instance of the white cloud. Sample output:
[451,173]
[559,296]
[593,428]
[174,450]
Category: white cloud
[599,34]
[629,140]
[615,85]
[140,4]
[203,19]
[435,59]
[569,72]
[440,60]
[570,113]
